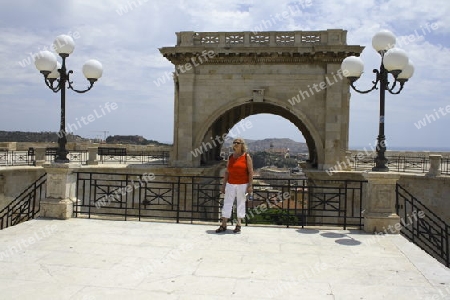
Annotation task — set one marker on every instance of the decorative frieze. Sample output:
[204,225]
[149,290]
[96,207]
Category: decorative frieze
[272,47]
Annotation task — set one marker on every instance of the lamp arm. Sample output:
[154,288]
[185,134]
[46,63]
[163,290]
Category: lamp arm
[391,90]
[375,83]
[49,84]
[75,90]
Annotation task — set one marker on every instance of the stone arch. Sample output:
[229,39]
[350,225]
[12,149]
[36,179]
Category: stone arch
[299,119]
[223,77]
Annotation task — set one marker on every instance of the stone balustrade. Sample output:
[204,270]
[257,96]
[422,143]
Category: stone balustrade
[256,39]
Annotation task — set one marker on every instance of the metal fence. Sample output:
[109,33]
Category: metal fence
[288,202]
[400,163]
[28,158]
[26,206]
[16,158]
[121,155]
[422,226]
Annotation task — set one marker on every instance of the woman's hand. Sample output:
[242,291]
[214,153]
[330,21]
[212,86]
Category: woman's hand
[249,189]
[222,189]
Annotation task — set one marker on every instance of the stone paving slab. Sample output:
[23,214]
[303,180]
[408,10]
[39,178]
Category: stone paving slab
[87,259]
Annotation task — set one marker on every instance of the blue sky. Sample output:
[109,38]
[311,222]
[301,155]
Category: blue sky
[125,36]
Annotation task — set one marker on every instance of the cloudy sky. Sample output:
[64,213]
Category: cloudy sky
[125,36]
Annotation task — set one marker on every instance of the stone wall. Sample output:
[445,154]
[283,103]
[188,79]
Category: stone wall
[14,180]
[433,192]
[10,146]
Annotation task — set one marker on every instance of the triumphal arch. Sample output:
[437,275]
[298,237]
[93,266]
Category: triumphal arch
[224,77]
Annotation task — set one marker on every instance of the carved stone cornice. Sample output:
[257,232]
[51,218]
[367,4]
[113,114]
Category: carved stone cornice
[263,47]
[267,55]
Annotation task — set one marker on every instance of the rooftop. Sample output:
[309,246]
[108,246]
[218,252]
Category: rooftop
[93,259]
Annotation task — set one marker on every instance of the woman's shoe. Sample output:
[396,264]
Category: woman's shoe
[237,229]
[221,229]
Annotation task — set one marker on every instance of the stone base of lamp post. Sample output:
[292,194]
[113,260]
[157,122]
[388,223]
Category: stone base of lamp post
[380,212]
[381,222]
[61,183]
[92,156]
[39,156]
[56,208]
[435,166]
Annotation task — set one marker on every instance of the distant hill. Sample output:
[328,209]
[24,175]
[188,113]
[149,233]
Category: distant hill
[52,137]
[36,137]
[132,139]
[274,145]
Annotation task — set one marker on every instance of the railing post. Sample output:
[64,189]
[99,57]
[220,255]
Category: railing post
[60,193]
[380,215]
[178,198]
[435,166]
[92,156]
[39,154]
[345,203]
[2,187]
[447,245]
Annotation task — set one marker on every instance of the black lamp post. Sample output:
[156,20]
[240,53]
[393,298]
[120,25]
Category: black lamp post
[56,76]
[394,61]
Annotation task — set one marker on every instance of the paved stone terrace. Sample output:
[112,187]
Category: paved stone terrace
[91,259]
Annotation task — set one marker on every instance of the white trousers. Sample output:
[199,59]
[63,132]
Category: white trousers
[234,191]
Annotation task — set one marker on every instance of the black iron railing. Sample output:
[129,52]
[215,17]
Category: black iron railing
[148,157]
[340,199]
[121,155]
[289,202]
[16,158]
[105,155]
[445,166]
[423,227]
[400,163]
[25,206]
[112,154]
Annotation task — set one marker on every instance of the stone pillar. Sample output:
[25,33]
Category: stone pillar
[184,122]
[336,119]
[39,154]
[2,185]
[435,166]
[61,184]
[380,212]
[92,156]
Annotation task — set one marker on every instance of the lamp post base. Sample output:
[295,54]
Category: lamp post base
[61,161]
[380,169]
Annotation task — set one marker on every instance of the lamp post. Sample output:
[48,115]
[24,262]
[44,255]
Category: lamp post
[394,61]
[56,77]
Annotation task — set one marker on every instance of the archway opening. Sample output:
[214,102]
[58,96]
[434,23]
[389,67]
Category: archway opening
[272,139]
[252,121]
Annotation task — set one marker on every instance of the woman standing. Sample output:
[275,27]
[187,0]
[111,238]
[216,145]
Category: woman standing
[237,182]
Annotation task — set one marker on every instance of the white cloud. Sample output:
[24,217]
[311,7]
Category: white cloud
[127,45]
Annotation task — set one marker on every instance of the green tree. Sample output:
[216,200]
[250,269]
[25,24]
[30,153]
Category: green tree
[260,159]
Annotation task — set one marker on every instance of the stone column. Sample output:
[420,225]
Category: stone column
[92,156]
[39,154]
[61,184]
[336,119]
[184,122]
[435,166]
[4,201]
[380,213]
